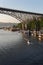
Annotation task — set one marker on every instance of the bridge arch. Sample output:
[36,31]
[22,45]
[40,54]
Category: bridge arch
[7,18]
[19,15]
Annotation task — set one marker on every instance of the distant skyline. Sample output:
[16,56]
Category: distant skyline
[25,5]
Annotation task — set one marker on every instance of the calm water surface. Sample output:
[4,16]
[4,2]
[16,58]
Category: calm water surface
[14,50]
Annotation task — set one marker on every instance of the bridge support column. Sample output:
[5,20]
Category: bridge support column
[25,26]
[22,26]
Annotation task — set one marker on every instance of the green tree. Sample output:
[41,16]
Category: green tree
[38,25]
[31,25]
[19,25]
[41,21]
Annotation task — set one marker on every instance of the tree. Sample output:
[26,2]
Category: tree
[19,25]
[41,21]
[37,25]
[31,25]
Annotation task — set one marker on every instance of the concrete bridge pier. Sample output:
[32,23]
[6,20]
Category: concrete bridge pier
[24,26]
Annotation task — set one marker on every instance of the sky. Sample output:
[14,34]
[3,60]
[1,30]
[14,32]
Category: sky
[25,5]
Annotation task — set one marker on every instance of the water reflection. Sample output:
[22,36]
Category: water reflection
[14,50]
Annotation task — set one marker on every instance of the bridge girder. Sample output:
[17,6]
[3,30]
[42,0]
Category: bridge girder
[19,15]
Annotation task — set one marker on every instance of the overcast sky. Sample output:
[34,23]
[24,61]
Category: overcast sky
[26,5]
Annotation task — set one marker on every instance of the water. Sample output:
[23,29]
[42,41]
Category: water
[14,50]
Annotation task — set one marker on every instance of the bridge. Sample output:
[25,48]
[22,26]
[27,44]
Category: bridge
[19,15]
